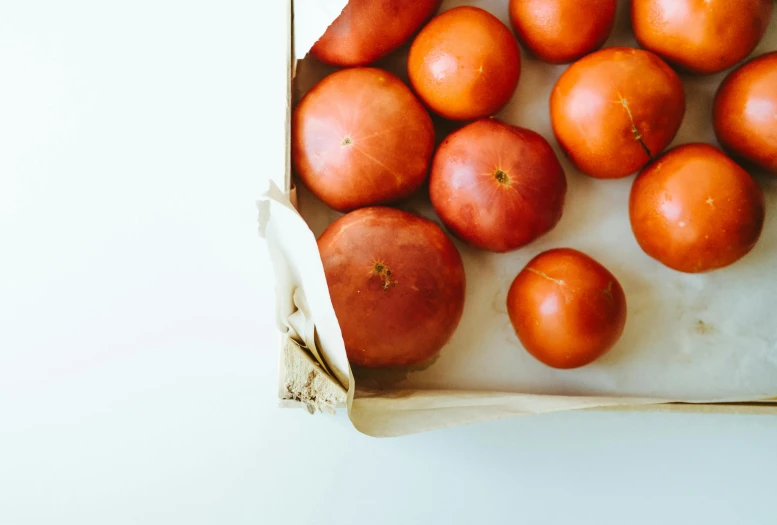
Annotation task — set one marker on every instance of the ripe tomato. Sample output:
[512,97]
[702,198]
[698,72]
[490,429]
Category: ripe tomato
[615,109]
[695,209]
[497,186]
[359,138]
[397,285]
[367,30]
[464,64]
[701,36]
[560,31]
[745,112]
[566,308]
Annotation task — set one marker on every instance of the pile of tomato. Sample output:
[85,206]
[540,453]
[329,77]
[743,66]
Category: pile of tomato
[362,140]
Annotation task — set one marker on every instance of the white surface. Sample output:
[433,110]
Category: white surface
[137,351]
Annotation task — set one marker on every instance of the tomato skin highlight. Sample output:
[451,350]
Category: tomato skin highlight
[368,30]
[361,138]
[397,285]
[464,64]
[566,308]
[562,31]
[614,110]
[702,37]
[497,186]
[696,210]
[745,112]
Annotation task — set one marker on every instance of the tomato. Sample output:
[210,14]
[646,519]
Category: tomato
[464,64]
[560,31]
[397,285]
[701,36]
[497,186]
[566,308]
[360,138]
[695,209]
[367,30]
[615,109]
[745,112]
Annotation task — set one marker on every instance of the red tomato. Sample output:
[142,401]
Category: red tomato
[615,109]
[359,138]
[745,112]
[695,210]
[397,285]
[566,308]
[560,31]
[367,30]
[464,64]
[701,36]
[497,186]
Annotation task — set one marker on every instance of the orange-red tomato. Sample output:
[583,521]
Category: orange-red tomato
[701,36]
[464,64]
[695,209]
[615,109]
[360,138]
[497,186]
[745,112]
[367,30]
[397,285]
[566,308]
[560,31]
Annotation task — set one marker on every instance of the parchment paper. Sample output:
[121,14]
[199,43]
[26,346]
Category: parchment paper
[691,338]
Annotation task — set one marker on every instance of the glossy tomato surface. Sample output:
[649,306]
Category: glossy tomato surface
[701,36]
[695,209]
[397,285]
[615,109]
[497,186]
[367,30]
[566,308]
[745,112]
[464,64]
[560,31]
[360,138]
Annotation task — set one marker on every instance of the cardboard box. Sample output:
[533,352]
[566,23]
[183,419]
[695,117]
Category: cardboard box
[317,379]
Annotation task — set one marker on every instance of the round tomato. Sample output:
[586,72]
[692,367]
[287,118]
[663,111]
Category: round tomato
[367,30]
[701,36]
[615,109]
[464,64]
[695,209]
[560,31]
[497,186]
[745,112]
[397,285]
[360,138]
[567,309]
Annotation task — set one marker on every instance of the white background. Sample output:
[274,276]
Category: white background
[137,339]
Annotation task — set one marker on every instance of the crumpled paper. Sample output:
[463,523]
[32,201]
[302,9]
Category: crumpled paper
[304,310]
[690,338]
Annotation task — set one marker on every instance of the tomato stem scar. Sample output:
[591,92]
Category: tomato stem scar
[634,130]
[382,271]
[502,177]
